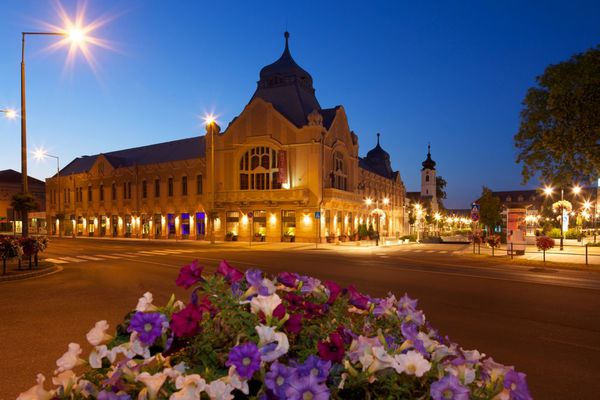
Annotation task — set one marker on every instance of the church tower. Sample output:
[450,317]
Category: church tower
[428,187]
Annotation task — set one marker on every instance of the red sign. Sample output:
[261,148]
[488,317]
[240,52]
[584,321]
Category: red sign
[282,165]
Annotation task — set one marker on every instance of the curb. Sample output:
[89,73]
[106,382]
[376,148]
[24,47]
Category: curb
[30,275]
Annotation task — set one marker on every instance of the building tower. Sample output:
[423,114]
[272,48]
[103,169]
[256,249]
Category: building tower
[428,187]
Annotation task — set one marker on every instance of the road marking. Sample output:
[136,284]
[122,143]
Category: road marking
[442,251]
[145,253]
[55,261]
[71,259]
[91,258]
[431,251]
[417,251]
[107,256]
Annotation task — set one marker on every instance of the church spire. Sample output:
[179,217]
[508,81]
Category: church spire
[428,163]
[378,134]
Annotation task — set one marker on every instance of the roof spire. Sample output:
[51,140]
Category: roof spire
[286,34]
[378,138]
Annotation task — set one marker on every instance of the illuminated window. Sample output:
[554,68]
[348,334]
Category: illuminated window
[259,169]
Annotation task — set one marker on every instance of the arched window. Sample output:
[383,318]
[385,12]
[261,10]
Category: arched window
[427,178]
[259,170]
[340,176]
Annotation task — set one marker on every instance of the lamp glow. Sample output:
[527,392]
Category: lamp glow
[576,189]
[548,190]
[368,202]
[10,113]
[386,201]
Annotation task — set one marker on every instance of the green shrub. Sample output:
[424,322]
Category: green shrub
[411,238]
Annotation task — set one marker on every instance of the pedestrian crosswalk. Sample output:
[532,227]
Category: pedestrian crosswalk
[116,256]
[428,251]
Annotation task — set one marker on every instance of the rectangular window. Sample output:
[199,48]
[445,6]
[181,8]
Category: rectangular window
[232,223]
[114,191]
[129,190]
[199,184]
[184,185]
[90,193]
[101,192]
[144,189]
[157,188]
[124,190]
[170,187]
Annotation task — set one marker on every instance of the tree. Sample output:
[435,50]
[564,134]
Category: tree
[440,192]
[489,210]
[559,134]
[23,203]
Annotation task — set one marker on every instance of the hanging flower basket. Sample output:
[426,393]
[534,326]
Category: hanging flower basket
[245,335]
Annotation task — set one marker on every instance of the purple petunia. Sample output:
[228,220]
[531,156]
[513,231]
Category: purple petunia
[309,283]
[246,359]
[149,326]
[277,379]
[288,279]
[449,388]
[384,305]
[515,382]
[105,395]
[306,387]
[255,279]
[406,303]
[358,299]
[315,366]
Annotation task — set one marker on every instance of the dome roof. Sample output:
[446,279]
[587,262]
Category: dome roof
[428,163]
[285,69]
[378,161]
[378,152]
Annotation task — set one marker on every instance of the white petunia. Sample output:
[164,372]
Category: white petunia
[97,335]
[145,303]
[236,381]
[153,383]
[37,392]
[463,372]
[266,304]
[66,380]
[189,386]
[70,359]
[219,390]
[411,363]
[267,335]
[380,360]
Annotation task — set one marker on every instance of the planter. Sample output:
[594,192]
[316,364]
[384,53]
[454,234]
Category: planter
[259,238]
[330,239]
[288,238]
[228,338]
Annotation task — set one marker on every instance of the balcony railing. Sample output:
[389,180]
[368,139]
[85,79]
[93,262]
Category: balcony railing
[277,195]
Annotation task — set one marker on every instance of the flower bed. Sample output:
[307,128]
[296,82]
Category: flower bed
[12,247]
[243,335]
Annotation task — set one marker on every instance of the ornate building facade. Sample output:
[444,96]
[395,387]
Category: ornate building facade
[285,169]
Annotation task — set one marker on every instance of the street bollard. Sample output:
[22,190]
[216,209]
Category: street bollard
[511,251]
[586,253]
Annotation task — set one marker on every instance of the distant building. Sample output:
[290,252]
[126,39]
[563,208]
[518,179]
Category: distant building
[10,184]
[284,169]
[428,193]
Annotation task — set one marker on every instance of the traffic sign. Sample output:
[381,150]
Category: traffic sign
[317,214]
[474,217]
[250,214]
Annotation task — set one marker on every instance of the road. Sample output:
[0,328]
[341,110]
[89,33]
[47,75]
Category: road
[545,322]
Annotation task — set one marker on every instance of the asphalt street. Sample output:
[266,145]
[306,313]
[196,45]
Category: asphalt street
[544,322]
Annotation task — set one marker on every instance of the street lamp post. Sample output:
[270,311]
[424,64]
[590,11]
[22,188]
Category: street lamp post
[548,190]
[76,35]
[211,128]
[40,155]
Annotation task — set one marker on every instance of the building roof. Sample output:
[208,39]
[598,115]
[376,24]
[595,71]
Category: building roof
[11,176]
[428,163]
[176,150]
[288,87]
[378,161]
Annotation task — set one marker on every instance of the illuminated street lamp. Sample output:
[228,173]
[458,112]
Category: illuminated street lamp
[74,34]
[39,155]
[548,191]
[9,113]
[212,129]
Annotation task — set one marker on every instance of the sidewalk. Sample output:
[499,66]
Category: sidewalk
[570,254]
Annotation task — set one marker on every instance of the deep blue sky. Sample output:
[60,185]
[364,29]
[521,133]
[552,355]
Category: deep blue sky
[450,72]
